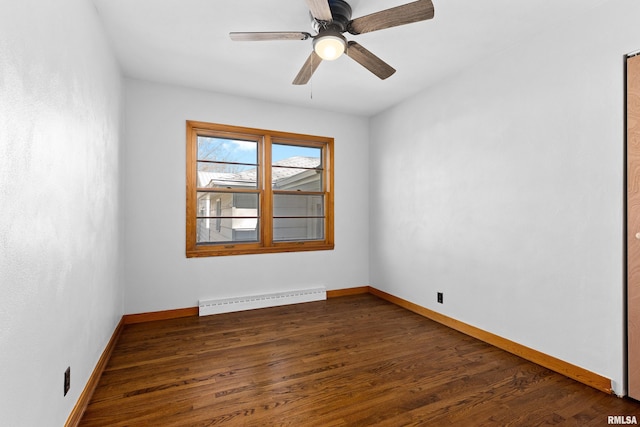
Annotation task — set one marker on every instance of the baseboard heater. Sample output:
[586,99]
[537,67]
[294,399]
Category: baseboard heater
[228,305]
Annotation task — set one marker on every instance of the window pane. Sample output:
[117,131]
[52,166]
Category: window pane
[281,152]
[227,150]
[298,229]
[227,163]
[211,175]
[231,230]
[227,204]
[297,205]
[296,167]
[298,217]
[227,217]
[296,179]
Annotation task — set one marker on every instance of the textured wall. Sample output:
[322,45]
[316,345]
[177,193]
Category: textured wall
[60,286]
[510,182]
[158,274]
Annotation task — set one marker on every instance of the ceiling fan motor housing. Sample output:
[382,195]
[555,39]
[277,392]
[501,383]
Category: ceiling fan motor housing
[341,12]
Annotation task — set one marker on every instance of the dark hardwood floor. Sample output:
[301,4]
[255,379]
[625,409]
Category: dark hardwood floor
[348,361]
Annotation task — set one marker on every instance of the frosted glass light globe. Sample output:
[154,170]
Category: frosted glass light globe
[329,47]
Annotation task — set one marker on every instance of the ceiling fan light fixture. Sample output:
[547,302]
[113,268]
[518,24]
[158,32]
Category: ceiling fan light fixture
[330,47]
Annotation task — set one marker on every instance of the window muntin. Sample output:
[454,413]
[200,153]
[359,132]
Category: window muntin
[253,191]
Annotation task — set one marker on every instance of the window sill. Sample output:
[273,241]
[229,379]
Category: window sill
[240,249]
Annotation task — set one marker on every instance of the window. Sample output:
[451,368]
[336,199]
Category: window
[254,191]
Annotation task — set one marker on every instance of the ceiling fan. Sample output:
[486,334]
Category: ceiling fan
[332,18]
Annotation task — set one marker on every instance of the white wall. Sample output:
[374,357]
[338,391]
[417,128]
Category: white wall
[158,274]
[503,188]
[60,286]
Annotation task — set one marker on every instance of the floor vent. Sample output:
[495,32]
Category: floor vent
[228,305]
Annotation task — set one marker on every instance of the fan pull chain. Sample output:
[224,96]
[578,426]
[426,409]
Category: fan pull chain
[311,79]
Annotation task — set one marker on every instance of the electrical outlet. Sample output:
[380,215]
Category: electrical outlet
[440,297]
[67,380]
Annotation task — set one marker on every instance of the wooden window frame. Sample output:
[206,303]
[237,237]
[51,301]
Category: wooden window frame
[265,243]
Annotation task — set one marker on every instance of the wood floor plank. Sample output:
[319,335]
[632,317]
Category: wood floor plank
[354,360]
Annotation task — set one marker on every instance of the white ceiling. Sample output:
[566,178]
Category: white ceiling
[186,43]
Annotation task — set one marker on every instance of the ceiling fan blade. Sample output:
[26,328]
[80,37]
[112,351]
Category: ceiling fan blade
[265,36]
[307,70]
[320,10]
[420,10]
[369,61]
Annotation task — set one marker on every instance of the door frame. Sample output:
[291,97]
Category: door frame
[631,345]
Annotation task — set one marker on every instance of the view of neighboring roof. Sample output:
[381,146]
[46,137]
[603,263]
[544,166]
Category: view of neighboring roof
[282,169]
